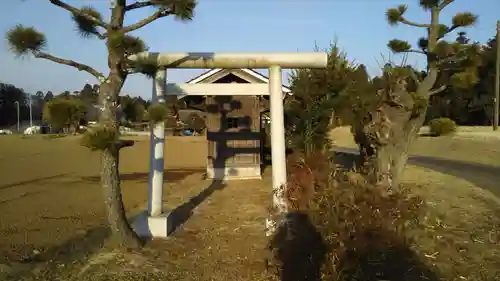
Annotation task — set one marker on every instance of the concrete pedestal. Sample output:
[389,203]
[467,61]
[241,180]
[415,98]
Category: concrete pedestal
[153,226]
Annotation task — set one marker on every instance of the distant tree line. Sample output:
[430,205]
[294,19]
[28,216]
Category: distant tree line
[469,98]
[66,109]
[10,94]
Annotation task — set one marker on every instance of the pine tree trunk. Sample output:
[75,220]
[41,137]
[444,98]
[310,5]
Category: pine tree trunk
[110,175]
[388,162]
[110,182]
[401,150]
[384,142]
[384,163]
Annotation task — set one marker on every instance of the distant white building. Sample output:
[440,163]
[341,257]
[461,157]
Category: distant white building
[25,124]
[34,130]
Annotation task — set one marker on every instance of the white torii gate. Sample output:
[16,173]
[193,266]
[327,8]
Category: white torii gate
[156,223]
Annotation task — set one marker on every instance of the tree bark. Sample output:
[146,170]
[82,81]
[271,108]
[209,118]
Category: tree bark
[110,181]
[110,175]
[385,162]
[385,139]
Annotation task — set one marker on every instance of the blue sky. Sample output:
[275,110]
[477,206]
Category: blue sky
[359,27]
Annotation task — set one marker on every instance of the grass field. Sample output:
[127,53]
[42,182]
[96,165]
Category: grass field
[50,196]
[478,145]
[51,213]
[52,220]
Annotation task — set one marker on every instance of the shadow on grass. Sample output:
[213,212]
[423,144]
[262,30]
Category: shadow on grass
[76,248]
[169,175]
[24,195]
[395,262]
[481,175]
[86,243]
[303,255]
[183,212]
[46,264]
[299,249]
[6,186]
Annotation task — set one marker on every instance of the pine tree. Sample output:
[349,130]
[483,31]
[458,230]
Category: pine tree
[319,96]
[114,33]
[64,113]
[394,124]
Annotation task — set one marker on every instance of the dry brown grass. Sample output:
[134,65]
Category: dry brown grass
[50,195]
[460,237]
[461,147]
[51,214]
[49,199]
[223,240]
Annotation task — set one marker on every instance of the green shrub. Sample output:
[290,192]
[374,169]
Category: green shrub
[442,126]
[157,112]
[100,138]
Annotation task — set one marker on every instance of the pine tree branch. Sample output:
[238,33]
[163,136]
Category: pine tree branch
[415,51]
[452,28]
[158,14]
[125,143]
[444,4]
[454,58]
[407,22]
[76,11]
[138,5]
[438,90]
[415,77]
[447,32]
[79,66]
[427,83]
[99,35]
[451,60]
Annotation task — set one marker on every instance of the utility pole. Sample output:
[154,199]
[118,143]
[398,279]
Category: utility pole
[31,111]
[17,107]
[497,81]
